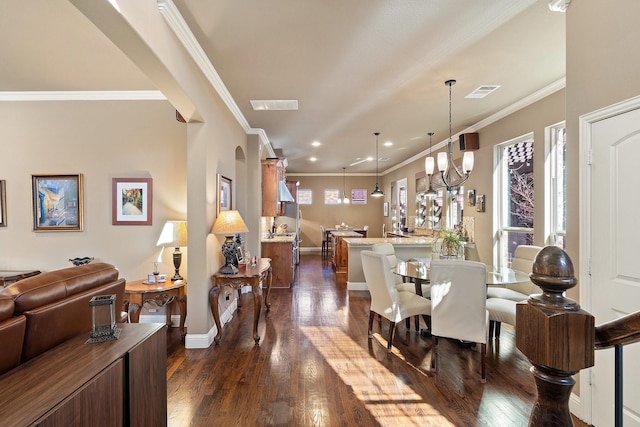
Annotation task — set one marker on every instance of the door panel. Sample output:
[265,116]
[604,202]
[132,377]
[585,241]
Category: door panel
[615,265]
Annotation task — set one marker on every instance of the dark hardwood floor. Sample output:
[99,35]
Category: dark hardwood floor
[315,367]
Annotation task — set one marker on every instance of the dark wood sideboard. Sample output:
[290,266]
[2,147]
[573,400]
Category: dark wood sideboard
[122,382]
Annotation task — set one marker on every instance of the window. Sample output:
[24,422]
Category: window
[513,186]
[556,189]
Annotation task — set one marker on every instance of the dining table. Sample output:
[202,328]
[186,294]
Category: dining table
[419,272]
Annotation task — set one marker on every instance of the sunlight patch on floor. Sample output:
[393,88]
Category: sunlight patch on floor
[386,397]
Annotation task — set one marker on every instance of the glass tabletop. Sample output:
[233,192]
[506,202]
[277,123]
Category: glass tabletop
[420,270]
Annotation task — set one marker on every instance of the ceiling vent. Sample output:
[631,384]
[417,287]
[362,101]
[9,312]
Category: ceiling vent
[274,104]
[482,91]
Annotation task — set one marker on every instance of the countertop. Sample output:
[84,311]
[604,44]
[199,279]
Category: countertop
[396,241]
[415,233]
[279,238]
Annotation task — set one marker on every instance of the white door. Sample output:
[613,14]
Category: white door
[615,255]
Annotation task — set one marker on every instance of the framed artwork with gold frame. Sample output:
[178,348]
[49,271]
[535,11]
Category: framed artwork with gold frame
[57,202]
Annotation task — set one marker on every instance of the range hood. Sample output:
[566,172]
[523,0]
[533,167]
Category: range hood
[284,195]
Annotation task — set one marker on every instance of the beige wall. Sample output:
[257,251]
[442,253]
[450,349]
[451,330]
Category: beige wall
[100,140]
[318,213]
[602,69]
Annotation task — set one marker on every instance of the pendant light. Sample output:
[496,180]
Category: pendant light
[377,192]
[429,167]
[345,199]
[450,175]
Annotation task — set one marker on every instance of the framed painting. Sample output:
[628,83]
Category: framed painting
[3,204]
[331,197]
[224,194]
[132,201]
[57,202]
[359,197]
[305,197]
[385,209]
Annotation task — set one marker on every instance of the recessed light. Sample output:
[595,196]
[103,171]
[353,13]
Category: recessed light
[315,143]
[274,104]
[313,159]
[388,144]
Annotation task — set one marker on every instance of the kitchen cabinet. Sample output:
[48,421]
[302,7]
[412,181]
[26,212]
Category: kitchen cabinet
[282,262]
[273,171]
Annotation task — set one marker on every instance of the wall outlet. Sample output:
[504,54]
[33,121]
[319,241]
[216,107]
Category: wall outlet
[153,310]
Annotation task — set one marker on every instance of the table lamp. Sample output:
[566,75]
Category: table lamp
[174,234]
[229,223]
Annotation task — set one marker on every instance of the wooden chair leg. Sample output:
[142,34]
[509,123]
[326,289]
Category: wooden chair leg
[407,323]
[498,324]
[371,315]
[417,322]
[427,321]
[392,332]
[434,355]
[492,324]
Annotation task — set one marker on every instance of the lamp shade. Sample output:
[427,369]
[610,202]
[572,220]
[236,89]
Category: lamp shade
[429,165]
[229,222]
[174,234]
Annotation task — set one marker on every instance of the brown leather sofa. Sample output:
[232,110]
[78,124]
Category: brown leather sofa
[42,311]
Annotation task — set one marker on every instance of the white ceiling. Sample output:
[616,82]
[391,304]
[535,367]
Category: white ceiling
[356,67]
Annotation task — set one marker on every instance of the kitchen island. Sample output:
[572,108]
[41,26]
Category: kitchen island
[405,249]
[280,248]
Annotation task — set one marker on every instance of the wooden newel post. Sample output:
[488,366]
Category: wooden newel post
[556,336]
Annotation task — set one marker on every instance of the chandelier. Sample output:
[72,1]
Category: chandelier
[345,199]
[451,176]
[377,192]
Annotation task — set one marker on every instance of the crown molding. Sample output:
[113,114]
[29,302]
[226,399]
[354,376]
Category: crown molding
[95,95]
[178,25]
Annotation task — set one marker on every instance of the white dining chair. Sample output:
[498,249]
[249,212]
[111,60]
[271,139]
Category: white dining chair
[522,260]
[388,250]
[458,305]
[386,300]
[502,299]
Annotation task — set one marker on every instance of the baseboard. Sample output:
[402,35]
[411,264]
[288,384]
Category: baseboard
[205,340]
[357,286]
[575,406]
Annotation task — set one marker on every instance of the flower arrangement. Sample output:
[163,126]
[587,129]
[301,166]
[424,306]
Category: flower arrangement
[449,243]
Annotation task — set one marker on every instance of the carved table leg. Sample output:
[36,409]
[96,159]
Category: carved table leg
[182,304]
[257,307]
[267,304]
[214,293]
[135,305]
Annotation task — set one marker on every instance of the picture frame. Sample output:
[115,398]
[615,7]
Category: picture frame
[57,202]
[3,203]
[359,197]
[132,201]
[224,194]
[385,209]
[332,197]
[305,196]
[240,255]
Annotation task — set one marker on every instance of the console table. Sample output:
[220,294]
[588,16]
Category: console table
[121,382]
[248,275]
[136,293]
[9,277]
